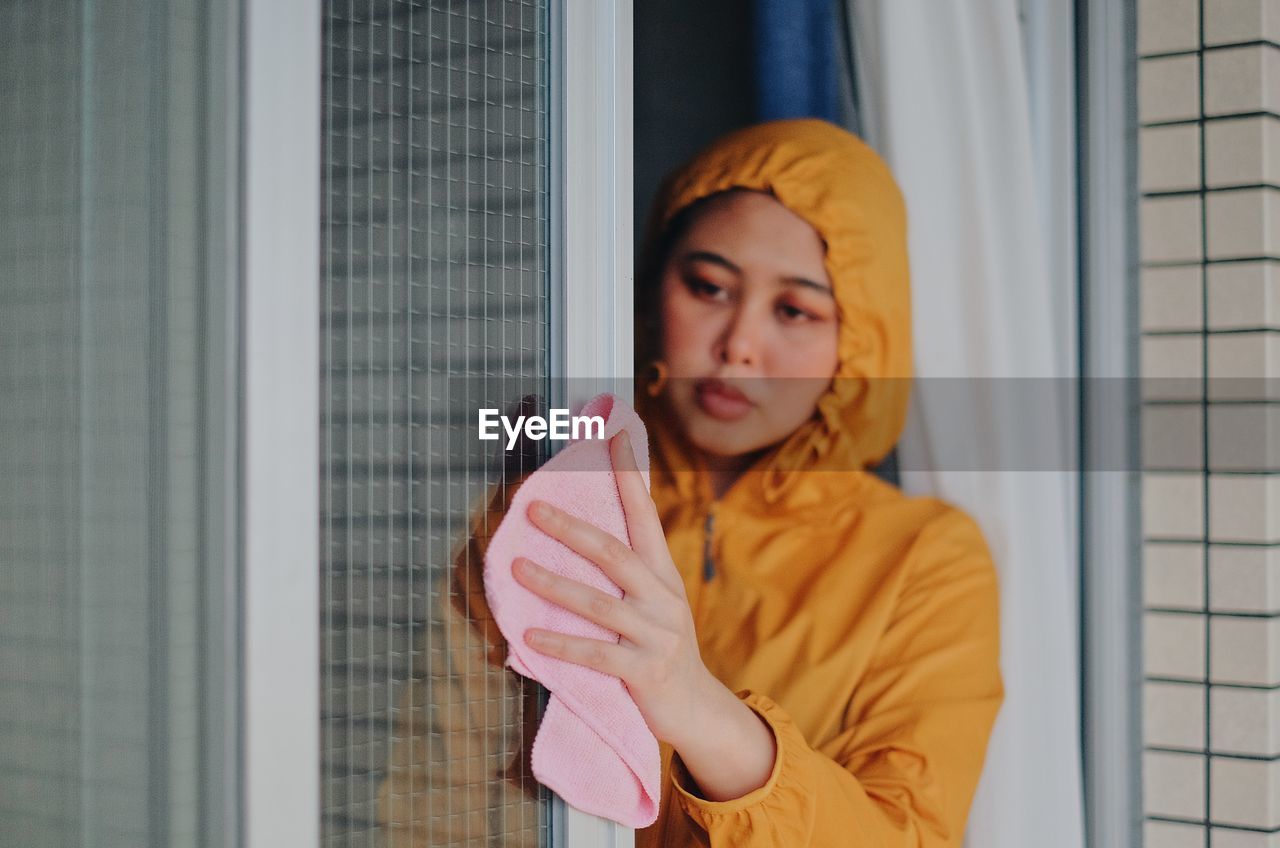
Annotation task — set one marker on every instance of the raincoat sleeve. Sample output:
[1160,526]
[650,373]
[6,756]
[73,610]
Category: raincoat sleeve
[903,770]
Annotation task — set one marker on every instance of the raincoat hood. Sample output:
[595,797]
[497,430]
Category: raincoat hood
[845,191]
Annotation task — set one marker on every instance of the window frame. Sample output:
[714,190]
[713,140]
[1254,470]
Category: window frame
[591,349]
[591,270]
[279,242]
[278,56]
[1111,540]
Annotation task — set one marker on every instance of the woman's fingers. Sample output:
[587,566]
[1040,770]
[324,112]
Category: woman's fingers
[643,524]
[642,517]
[616,560]
[606,657]
[588,602]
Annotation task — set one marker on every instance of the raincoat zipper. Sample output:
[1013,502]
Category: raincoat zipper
[708,561]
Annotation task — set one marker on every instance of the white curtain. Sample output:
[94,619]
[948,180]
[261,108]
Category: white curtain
[947,98]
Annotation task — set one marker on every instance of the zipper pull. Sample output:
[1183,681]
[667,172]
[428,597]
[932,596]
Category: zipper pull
[708,563]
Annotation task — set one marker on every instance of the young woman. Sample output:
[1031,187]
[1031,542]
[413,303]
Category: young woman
[816,652]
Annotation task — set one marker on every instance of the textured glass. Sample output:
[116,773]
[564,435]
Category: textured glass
[111,465]
[434,304]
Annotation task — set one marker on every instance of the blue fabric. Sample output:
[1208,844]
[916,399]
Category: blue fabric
[796,60]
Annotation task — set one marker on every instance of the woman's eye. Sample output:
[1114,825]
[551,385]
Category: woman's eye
[702,287]
[794,313]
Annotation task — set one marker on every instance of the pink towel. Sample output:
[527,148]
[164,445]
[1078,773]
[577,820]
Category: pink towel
[593,747]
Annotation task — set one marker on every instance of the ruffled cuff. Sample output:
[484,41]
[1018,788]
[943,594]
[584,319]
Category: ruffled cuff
[779,793]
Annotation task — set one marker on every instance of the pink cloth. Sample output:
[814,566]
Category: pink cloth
[593,747]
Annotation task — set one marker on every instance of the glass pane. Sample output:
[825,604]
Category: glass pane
[112,458]
[434,304]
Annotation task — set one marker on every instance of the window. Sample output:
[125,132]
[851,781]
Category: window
[434,303]
[116,426]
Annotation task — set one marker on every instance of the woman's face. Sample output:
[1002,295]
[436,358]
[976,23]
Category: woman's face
[749,324]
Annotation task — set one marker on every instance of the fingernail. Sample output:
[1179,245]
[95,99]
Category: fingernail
[542,509]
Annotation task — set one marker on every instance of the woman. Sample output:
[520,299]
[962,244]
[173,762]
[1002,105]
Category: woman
[817,652]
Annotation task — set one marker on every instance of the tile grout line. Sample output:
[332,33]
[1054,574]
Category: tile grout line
[1204,431]
[1209,48]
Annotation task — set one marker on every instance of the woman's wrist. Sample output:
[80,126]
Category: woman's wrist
[728,750]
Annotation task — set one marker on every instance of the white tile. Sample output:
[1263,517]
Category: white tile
[1244,650]
[1233,21]
[1171,298]
[1169,158]
[1173,785]
[1163,834]
[1173,506]
[1172,436]
[1244,366]
[1173,575]
[1243,223]
[1244,508]
[1172,367]
[1244,295]
[1242,79]
[1225,838]
[1169,89]
[1173,715]
[1245,792]
[1173,645]
[1245,721]
[1169,229]
[1241,151]
[1244,578]
[1247,354]
[1244,437]
[1165,26]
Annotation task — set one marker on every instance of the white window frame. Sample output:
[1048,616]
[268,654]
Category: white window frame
[1080,56]
[1111,602]
[591,349]
[280,469]
[592,280]
[592,274]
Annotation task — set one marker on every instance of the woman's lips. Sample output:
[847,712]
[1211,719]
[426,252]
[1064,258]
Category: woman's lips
[721,401]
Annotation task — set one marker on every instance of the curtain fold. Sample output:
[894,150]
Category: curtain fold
[795,52]
[945,98]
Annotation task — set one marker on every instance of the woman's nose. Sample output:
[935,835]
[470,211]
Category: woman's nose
[740,341]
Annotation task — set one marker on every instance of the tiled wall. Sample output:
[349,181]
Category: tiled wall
[1209,171]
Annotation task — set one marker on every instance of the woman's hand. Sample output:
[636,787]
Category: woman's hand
[727,749]
[657,656]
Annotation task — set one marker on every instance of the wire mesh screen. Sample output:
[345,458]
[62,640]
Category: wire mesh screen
[112,390]
[434,305]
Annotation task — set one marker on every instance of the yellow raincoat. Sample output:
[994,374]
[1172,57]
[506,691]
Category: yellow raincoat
[860,624]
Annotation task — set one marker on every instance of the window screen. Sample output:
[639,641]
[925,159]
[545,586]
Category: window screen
[116,391]
[434,304]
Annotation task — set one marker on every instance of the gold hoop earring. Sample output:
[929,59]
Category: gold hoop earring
[657,375]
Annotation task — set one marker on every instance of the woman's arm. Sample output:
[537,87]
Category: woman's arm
[730,751]
[903,770]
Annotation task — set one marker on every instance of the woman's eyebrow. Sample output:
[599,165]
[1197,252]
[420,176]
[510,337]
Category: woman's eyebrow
[811,284]
[713,258]
[717,259]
